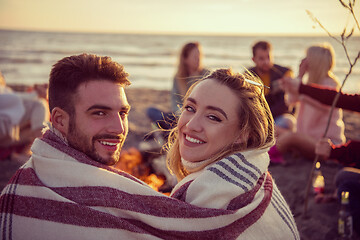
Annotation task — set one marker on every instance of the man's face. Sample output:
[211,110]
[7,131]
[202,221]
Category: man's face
[100,123]
[263,60]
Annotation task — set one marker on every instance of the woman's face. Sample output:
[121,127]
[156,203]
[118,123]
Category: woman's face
[193,59]
[209,121]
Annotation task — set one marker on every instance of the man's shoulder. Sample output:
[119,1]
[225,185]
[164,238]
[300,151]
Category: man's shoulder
[252,70]
[283,69]
[278,71]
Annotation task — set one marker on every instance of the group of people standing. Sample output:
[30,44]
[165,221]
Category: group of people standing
[221,130]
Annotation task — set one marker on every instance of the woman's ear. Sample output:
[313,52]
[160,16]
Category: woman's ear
[241,138]
[60,120]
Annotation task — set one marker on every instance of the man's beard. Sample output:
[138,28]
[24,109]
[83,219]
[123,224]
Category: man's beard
[79,141]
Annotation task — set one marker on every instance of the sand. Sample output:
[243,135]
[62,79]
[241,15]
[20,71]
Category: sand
[291,178]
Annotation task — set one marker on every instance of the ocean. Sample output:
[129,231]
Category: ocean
[27,57]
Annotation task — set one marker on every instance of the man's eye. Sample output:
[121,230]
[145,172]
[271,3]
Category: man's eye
[99,113]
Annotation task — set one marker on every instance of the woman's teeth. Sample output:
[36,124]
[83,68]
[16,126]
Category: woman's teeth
[193,140]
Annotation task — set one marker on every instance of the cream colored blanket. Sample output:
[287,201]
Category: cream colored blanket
[62,194]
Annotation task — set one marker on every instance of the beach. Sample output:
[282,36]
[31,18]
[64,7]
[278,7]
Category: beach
[291,178]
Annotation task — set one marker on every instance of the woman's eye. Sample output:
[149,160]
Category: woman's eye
[123,114]
[214,118]
[189,108]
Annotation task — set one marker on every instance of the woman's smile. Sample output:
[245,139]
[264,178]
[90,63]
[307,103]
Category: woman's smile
[193,140]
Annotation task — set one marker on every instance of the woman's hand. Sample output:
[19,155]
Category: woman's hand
[290,85]
[323,148]
[303,68]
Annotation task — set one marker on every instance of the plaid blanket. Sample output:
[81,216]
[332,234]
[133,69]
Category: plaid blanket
[241,182]
[62,194]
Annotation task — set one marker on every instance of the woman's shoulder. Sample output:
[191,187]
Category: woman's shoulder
[205,72]
[330,82]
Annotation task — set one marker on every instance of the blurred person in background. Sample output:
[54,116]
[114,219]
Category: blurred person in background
[189,70]
[270,73]
[311,115]
[22,117]
[348,154]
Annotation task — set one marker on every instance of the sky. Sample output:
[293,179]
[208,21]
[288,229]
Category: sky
[233,17]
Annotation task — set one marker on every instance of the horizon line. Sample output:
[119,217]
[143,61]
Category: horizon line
[229,34]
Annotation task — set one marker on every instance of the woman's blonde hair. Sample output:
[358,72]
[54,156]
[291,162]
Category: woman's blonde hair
[321,61]
[256,123]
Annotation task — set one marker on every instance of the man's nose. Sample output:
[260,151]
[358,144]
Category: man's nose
[117,125]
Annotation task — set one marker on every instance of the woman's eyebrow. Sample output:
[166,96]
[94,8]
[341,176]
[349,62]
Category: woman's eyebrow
[210,107]
[191,100]
[218,110]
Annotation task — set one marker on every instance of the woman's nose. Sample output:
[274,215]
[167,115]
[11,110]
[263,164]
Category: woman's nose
[194,123]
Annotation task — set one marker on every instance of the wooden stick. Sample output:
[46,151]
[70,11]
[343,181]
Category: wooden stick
[309,183]
[352,64]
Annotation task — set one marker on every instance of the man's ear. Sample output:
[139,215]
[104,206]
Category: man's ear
[60,120]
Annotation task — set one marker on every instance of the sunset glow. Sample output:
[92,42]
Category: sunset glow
[164,16]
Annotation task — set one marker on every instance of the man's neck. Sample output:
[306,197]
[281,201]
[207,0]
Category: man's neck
[261,72]
[56,132]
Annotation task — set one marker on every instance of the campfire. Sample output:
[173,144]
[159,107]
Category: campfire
[133,162]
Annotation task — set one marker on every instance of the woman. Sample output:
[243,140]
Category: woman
[218,151]
[189,70]
[312,116]
[348,154]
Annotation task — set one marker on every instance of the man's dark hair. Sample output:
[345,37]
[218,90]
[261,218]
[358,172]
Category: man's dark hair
[261,45]
[68,73]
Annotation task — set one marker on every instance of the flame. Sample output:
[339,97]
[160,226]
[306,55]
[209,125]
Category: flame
[154,181]
[131,161]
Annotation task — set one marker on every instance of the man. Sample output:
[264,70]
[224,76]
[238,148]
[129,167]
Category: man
[91,112]
[270,73]
[68,189]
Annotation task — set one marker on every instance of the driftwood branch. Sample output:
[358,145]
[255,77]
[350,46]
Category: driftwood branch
[343,38]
